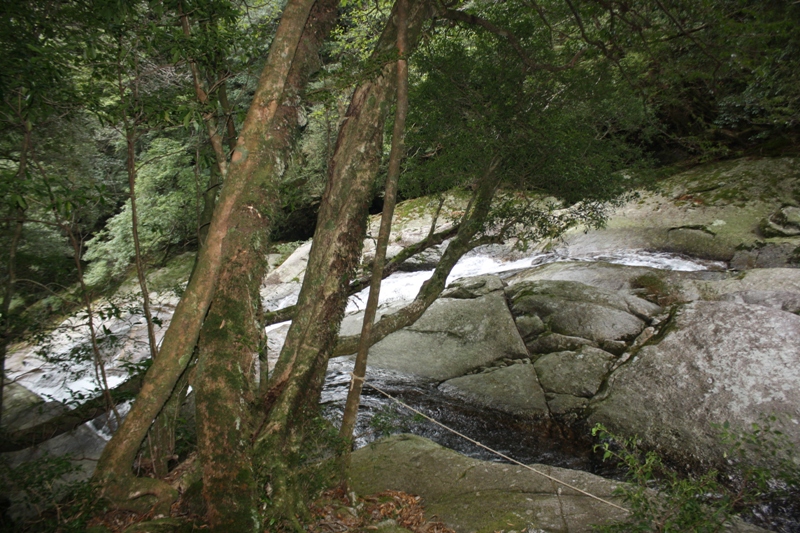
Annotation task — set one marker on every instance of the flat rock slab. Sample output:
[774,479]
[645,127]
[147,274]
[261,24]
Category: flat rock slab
[598,274]
[451,338]
[577,373]
[472,495]
[770,287]
[711,212]
[514,389]
[718,362]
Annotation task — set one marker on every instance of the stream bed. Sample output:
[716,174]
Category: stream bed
[526,440]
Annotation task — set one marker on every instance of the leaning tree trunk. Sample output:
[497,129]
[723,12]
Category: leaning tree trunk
[341,225]
[390,199]
[232,332]
[114,469]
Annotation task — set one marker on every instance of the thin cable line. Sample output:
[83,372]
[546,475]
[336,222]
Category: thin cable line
[507,458]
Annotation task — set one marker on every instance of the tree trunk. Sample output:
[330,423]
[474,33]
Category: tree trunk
[6,333]
[114,469]
[209,201]
[130,139]
[390,199]
[296,382]
[232,332]
[11,268]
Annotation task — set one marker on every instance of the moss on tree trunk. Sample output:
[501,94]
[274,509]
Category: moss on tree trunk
[296,383]
[113,474]
[232,333]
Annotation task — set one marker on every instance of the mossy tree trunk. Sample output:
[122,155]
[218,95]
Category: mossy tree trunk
[225,383]
[114,475]
[296,382]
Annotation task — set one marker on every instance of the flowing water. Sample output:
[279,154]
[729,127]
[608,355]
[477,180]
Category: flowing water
[67,374]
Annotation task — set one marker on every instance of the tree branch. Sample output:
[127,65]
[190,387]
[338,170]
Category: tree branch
[31,436]
[530,64]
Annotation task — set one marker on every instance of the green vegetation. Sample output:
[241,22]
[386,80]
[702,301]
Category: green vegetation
[52,499]
[758,469]
[655,289]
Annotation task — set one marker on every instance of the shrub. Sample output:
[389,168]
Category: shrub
[663,500]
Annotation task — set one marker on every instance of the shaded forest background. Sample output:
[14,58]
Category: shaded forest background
[119,126]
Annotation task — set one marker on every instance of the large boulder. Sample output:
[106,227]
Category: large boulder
[472,495]
[715,362]
[743,211]
[513,389]
[572,310]
[454,336]
[602,275]
[578,373]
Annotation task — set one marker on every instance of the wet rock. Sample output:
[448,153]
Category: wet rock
[563,404]
[514,389]
[578,373]
[717,362]
[451,338]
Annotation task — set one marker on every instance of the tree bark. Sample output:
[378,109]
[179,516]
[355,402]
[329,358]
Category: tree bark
[6,333]
[390,199]
[232,332]
[113,475]
[130,139]
[11,268]
[294,388]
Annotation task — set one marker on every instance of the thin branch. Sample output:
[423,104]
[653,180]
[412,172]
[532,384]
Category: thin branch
[687,34]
